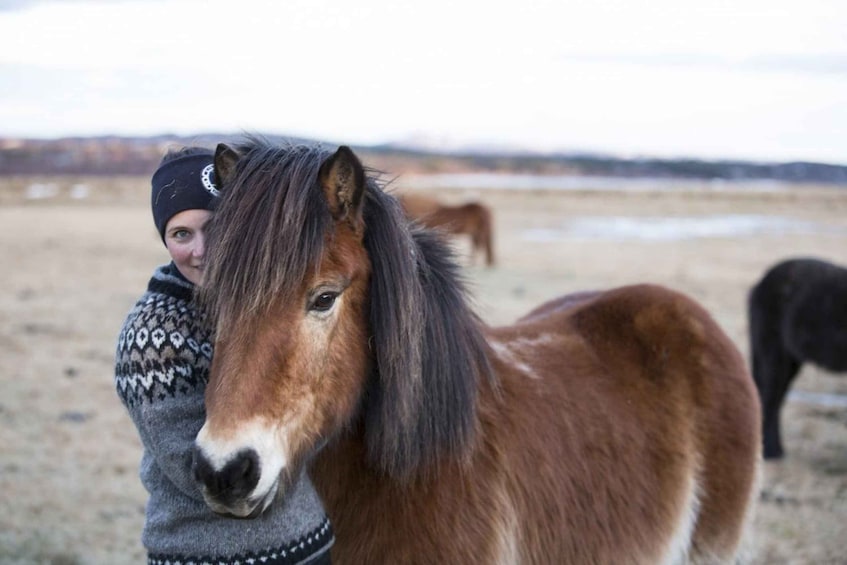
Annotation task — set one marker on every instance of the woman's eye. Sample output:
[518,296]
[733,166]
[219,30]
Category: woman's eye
[324,301]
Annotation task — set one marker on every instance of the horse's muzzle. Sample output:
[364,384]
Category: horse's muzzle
[228,490]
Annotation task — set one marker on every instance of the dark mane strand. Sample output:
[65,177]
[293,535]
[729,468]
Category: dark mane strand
[268,228]
[430,353]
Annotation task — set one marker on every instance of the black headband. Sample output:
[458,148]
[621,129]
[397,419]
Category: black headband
[184,183]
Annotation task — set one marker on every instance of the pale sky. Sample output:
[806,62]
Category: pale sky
[740,79]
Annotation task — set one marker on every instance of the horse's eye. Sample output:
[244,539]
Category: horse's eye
[323,301]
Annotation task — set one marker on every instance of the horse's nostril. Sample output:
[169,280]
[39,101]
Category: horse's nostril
[243,468]
[235,480]
[201,468]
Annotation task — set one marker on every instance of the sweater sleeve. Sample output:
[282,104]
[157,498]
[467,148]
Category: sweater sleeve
[161,374]
[167,429]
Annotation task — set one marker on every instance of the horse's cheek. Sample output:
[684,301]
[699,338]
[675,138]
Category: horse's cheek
[346,361]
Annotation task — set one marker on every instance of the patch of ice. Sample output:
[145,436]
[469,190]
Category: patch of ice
[41,191]
[671,228]
[79,191]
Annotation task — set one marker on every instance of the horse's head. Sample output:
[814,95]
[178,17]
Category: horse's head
[331,317]
[286,284]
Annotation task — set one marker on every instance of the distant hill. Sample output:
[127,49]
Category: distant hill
[115,155]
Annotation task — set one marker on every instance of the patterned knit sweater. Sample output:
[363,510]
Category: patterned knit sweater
[161,371]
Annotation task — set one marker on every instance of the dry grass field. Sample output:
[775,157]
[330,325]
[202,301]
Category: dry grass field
[76,253]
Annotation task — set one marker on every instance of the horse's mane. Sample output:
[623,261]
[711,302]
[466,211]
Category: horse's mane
[268,227]
[429,353]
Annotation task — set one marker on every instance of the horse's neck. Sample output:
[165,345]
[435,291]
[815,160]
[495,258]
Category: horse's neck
[341,473]
[340,463]
[356,498]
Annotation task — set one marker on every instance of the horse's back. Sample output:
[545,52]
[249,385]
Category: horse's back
[645,390]
[800,307]
[640,325]
[791,279]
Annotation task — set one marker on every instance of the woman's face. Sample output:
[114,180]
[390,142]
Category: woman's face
[185,240]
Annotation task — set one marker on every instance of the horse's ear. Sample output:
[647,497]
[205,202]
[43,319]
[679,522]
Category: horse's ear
[225,160]
[342,178]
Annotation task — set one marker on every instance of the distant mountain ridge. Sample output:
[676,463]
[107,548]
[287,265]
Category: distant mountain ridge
[120,155]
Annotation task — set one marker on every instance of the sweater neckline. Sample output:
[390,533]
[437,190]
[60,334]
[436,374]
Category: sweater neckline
[168,280]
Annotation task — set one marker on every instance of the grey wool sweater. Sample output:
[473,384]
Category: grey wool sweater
[161,371]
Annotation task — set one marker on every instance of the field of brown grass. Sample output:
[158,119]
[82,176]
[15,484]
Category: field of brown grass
[77,252]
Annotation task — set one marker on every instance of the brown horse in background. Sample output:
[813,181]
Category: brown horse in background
[472,218]
[612,427]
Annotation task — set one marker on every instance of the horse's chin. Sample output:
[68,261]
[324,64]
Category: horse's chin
[247,509]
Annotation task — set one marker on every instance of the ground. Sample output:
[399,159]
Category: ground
[78,252]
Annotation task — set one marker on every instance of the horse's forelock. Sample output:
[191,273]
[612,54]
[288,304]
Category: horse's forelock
[268,228]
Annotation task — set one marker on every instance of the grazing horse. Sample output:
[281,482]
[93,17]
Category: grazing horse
[797,313]
[620,427]
[472,218]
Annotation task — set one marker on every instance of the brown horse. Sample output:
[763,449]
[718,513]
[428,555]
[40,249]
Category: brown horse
[615,427]
[472,218]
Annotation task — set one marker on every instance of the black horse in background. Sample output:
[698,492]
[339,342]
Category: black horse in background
[797,313]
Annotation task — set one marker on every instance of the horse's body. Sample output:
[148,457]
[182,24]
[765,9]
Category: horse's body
[614,427]
[472,219]
[797,314]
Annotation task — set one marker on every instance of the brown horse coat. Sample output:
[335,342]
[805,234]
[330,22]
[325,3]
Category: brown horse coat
[642,451]
[608,427]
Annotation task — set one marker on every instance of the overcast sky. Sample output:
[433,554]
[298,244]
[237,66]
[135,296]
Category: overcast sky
[747,79]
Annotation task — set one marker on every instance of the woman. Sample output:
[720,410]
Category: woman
[162,363]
